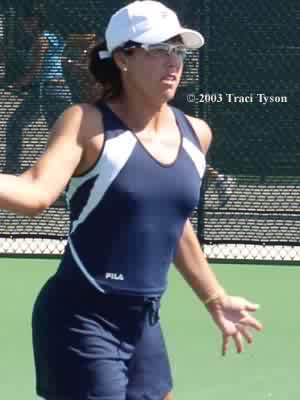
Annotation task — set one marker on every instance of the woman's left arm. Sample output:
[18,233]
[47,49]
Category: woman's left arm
[231,314]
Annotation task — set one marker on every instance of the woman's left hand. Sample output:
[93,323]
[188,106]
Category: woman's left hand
[232,315]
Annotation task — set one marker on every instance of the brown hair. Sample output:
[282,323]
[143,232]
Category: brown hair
[105,71]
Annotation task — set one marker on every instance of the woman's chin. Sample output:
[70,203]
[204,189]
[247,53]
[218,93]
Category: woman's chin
[169,95]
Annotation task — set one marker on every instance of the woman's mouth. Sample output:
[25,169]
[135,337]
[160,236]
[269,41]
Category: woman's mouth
[169,78]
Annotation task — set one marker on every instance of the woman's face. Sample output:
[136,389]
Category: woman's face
[154,73]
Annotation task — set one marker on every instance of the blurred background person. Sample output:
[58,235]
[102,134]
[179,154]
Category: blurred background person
[42,83]
[224,184]
[83,86]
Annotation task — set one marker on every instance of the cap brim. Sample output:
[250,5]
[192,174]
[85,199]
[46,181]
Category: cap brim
[191,39]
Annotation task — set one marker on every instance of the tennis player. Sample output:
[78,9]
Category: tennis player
[132,168]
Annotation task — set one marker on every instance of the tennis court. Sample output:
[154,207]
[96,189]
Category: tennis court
[250,49]
[267,370]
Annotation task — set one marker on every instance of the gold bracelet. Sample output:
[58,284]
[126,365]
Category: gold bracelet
[215,296]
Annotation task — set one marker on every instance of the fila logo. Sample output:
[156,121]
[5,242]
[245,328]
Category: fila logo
[114,276]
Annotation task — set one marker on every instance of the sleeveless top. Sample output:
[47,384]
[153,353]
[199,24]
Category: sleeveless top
[128,211]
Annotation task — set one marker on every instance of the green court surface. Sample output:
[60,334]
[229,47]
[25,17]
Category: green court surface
[269,369]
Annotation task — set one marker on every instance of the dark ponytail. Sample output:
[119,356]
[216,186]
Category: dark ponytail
[105,72]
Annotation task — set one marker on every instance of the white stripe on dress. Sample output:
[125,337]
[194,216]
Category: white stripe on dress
[196,155]
[82,267]
[115,155]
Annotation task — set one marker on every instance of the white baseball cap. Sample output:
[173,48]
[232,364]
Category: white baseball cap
[148,22]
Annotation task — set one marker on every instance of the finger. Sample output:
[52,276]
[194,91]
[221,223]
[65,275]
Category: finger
[225,344]
[247,335]
[251,307]
[248,320]
[238,340]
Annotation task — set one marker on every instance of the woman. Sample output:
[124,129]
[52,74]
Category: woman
[135,167]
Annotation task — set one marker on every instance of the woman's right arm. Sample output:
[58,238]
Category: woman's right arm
[38,187]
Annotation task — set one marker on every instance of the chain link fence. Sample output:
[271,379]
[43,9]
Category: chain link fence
[244,82]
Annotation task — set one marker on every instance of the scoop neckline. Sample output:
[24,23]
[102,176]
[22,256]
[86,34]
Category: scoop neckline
[141,144]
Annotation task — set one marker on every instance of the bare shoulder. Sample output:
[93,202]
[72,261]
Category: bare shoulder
[84,111]
[85,117]
[88,123]
[71,149]
[202,130]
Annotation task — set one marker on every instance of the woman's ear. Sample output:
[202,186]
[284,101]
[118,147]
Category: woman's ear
[120,60]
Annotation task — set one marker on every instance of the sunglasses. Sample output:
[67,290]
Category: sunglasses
[162,49]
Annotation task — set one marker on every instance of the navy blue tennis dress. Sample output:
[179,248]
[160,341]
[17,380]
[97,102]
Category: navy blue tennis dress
[96,329]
